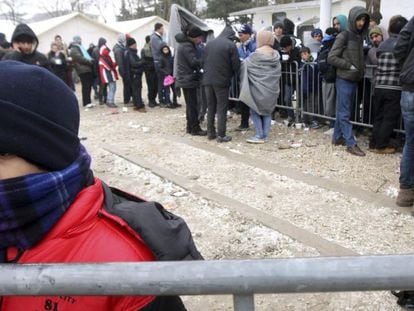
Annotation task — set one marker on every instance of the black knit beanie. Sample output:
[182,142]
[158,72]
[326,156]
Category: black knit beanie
[130,41]
[194,32]
[39,116]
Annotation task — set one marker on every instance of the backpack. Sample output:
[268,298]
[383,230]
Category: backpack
[328,71]
[405,299]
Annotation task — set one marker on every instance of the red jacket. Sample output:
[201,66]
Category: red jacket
[107,67]
[85,233]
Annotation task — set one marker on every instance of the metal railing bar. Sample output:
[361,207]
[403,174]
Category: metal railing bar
[238,277]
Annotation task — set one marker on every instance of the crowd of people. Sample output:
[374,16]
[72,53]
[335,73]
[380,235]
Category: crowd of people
[52,204]
[261,65]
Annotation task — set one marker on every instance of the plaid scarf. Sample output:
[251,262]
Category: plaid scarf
[31,205]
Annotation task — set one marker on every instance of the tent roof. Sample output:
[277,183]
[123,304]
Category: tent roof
[48,24]
[132,25]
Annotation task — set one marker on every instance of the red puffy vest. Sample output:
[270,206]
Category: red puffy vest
[85,233]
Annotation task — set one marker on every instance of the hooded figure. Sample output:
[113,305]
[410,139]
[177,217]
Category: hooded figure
[25,42]
[340,23]
[348,47]
[347,56]
[221,59]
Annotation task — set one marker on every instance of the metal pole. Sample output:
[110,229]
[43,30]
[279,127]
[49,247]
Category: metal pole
[321,274]
[243,302]
[325,14]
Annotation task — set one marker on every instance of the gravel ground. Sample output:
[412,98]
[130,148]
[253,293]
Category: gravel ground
[363,227]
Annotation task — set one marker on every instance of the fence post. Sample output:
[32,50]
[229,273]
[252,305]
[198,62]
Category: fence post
[243,302]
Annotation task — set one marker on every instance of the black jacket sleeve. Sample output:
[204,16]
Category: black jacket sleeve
[405,42]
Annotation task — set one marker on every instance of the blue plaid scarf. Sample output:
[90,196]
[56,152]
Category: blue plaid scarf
[30,205]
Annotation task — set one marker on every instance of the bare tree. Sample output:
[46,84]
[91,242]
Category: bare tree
[11,10]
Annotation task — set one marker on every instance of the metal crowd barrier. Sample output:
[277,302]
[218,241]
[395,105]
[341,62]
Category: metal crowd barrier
[240,278]
[320,102]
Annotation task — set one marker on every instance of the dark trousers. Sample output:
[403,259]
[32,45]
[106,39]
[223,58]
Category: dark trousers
[160,84]
[87,82]
[127,90]
[103,93]
[191,110]
[244,114]
[136,89]
[217,102]
[387,111]
[152,84]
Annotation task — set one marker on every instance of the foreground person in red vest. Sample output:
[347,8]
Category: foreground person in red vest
[51,206]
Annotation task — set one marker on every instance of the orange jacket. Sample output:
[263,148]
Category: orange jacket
[85,233]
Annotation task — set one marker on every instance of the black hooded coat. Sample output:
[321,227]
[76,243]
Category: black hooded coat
[32,58]
[221,59]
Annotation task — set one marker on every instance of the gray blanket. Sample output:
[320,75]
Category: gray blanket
[259,86]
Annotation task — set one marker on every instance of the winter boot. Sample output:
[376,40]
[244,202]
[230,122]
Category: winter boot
[405,197]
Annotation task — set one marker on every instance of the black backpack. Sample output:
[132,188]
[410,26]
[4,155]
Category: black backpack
[405,299]
[328,71]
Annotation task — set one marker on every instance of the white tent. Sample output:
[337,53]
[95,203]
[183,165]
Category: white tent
[68,26]
[139,28]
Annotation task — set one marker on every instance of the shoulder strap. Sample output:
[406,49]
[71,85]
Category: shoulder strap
[166,234]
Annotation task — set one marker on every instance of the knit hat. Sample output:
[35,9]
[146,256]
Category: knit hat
[39,116]
[121,39]
[278,25]
[245,29]
[264,37]
[77,39]
[285,41]
[375,30]
[130,41]
[376,17]
[194,32]
[316,32]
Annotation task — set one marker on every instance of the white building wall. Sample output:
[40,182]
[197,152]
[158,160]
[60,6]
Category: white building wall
[390,8]
[88,31]
[140,33]
[299,15]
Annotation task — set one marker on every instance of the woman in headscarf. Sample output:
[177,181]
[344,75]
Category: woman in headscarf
[260,74]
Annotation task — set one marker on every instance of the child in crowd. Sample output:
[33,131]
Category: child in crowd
[309,87]
[166,65]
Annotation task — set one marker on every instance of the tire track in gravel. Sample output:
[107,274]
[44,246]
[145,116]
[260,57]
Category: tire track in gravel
[323,246]
[348,190]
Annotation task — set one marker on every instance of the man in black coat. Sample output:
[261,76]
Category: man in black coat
[188,75]
[404,53]
[24,43]
[220,63]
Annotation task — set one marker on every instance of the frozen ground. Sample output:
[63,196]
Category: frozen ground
[257,201]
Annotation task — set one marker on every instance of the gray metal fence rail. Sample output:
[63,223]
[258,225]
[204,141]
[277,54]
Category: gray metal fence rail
[240,278]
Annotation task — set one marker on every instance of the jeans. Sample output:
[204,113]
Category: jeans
[111,92]
[261,124]
[407,160]
[345,99]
